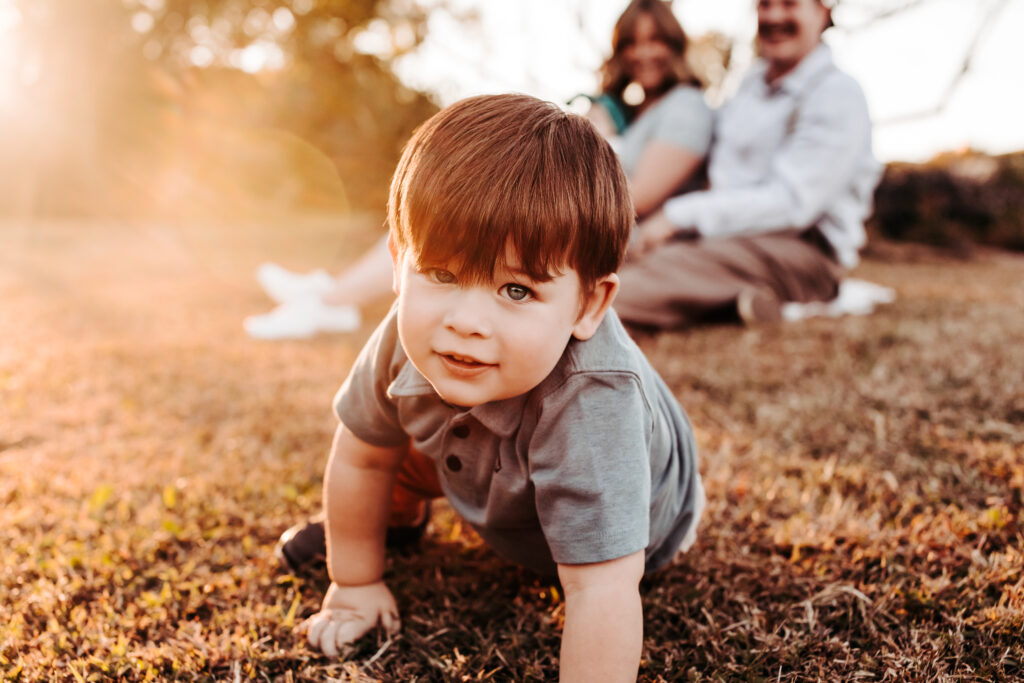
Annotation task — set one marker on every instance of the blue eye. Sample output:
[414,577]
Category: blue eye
[517,292]
[440,276]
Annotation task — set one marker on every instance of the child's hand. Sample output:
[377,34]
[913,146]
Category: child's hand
[347,613]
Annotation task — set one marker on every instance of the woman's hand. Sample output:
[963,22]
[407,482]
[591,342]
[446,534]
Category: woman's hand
[347,613]
[652,232]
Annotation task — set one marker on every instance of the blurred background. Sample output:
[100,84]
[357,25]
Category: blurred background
[864,475]
[237,109]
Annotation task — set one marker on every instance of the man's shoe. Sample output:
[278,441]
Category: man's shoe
[301,319]
[758,305]
[282,285]
[304,546]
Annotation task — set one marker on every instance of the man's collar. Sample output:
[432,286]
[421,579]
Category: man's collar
[803,74]
[500,417]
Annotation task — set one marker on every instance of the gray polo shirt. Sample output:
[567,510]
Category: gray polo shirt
[595,463]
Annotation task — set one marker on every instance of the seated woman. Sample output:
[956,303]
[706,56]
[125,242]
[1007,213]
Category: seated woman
[663,135]
[651,107]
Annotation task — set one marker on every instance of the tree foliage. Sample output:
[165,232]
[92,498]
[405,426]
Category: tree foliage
[144,105]
[957,200]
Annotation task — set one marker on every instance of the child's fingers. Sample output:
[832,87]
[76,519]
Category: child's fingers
[317,623]
[327,643]
[303,626]
[350,630]
[391,622]
[329,630]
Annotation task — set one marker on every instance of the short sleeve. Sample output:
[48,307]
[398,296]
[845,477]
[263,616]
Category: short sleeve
[362,403]
[615,110]
[686,121]
[590,468]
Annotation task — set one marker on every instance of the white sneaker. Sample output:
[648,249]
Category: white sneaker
[282,285]
[301,319]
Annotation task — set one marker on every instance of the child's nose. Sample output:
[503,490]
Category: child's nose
[469,313]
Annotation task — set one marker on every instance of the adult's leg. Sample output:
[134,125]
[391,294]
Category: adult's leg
[315,302]
[687,282]
[367,280]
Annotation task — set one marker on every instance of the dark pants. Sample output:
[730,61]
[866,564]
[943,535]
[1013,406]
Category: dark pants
[686,282]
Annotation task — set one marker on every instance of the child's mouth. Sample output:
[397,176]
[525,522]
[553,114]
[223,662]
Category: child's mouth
[464,363]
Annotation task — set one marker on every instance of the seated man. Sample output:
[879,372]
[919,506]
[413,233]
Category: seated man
[792,177]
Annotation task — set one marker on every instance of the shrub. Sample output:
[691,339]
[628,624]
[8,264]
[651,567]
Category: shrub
[955,200]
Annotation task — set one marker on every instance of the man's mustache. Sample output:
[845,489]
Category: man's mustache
[786,28]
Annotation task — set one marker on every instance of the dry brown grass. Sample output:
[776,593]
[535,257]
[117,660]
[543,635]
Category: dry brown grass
[864,477]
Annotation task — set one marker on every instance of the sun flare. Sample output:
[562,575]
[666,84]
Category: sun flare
[10,21]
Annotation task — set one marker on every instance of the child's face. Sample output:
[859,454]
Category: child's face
[477,343]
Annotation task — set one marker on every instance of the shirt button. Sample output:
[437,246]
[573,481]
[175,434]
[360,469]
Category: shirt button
[461,431]
[453,463]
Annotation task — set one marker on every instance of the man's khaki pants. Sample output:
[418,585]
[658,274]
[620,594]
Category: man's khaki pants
[687,282]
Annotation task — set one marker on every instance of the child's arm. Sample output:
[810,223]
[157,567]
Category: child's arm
[603,633]
[357,499]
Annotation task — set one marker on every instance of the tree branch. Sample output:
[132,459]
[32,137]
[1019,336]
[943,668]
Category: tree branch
[965,65]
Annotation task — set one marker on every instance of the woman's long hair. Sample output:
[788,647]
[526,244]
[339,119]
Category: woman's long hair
[615,74]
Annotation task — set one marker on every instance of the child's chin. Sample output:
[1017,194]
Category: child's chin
[459,399]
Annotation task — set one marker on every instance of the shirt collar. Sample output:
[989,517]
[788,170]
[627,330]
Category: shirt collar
[409,382]
[801,77]
[502,418]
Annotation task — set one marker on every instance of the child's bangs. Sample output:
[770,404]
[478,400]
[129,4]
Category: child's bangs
[510,217]
[509,181]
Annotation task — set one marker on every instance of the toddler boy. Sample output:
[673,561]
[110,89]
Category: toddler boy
[502,380]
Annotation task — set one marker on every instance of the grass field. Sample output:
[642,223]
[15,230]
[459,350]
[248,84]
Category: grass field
[864,477]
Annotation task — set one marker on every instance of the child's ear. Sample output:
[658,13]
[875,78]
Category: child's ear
[396,264]
[596,306]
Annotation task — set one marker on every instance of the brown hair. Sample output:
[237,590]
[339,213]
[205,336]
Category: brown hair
[614,72]
[498,172]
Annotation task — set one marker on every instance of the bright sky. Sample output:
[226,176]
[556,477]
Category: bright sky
[551,49]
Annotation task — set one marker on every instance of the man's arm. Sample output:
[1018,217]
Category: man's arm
[816,162]
[357,498]
[603,634]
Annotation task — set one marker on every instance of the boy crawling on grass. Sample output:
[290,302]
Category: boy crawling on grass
[503,380]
